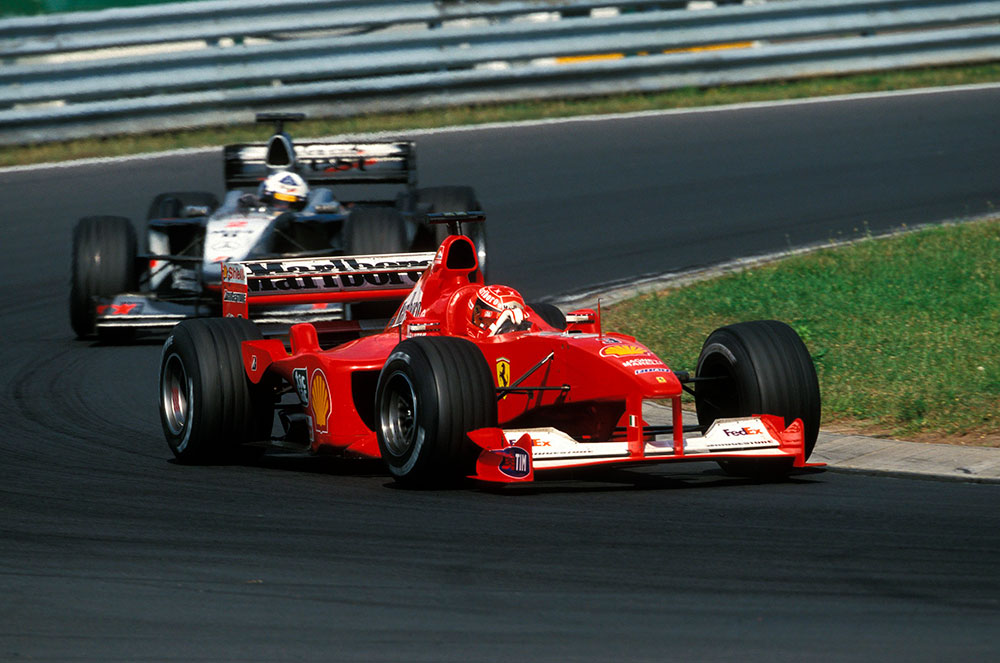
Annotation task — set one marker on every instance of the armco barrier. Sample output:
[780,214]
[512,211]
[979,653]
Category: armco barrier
[215,63]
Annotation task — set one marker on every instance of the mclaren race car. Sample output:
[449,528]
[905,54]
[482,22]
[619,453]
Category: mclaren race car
[467,380]
[279,204]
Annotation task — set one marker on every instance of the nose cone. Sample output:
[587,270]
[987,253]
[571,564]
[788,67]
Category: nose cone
[639,363]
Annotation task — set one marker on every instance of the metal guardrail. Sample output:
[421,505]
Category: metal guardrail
[216,62]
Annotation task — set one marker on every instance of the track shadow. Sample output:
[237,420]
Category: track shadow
[600,479]
[603,479]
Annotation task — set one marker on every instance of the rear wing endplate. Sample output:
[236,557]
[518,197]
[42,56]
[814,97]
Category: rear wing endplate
[345,279]
[326,163]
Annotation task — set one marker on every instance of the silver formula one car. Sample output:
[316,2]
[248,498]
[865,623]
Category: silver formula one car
[280,203]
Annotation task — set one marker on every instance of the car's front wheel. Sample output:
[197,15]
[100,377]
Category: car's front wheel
[431,392]
[550,313]
[104,265]
[759,367]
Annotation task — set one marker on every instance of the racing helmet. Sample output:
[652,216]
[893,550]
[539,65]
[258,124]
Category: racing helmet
[495,310]
[283,190]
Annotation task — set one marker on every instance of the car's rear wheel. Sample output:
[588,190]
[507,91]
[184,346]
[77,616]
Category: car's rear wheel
[431,392]
[104,265]
[209,408]
[375,230]
[759,367]
[455,199]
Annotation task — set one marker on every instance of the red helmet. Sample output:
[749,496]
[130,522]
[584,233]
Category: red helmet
[496,309]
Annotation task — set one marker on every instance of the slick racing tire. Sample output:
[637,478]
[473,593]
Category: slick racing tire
[455,199]
[550,313]
[104,265]
[375,230]
[431,392]
[209,408]
[171,204]
[759,367]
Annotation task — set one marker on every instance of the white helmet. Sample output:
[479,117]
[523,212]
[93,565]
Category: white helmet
[284,189]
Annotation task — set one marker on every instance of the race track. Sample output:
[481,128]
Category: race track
[109,551]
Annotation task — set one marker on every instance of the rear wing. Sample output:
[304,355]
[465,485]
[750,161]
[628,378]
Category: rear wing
[325,163]
[345,279]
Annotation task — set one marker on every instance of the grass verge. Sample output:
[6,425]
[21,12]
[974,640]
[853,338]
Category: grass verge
[528,110]
[904,331]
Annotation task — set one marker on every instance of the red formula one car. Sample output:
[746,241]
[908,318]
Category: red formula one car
[469,381]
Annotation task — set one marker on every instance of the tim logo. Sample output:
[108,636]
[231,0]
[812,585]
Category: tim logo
[515,462]
[739,432]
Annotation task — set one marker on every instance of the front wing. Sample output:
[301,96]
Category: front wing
[144,312]
[514,455]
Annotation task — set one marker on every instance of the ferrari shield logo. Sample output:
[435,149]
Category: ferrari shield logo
[503,372]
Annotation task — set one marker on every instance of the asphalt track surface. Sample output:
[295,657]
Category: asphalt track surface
[109,551]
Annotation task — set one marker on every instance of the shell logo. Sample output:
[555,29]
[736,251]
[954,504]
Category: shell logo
[319,401]
[623,350]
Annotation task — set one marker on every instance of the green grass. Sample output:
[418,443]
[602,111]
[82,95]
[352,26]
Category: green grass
[904,331]
[529,110]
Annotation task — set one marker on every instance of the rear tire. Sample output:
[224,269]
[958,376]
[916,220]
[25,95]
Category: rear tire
[374,230]
[763,368]
[431,392]
[104,265]
[455,199]
[208,407]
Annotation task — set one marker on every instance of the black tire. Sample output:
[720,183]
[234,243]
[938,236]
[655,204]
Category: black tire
[104,265]
[171,204]
[454,199]
[550,313]
[763,367]
[208,407]
[375,230]
[431,392]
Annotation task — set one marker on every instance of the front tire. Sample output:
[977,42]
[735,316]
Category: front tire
[431,392]
[551,314]
[759,367]
[104,265]
[208,407]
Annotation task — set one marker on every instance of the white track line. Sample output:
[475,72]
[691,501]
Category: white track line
[535,123]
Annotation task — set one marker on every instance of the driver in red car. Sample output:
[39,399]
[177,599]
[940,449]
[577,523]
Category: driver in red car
[495,310]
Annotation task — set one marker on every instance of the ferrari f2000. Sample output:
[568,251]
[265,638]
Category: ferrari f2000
[468,380]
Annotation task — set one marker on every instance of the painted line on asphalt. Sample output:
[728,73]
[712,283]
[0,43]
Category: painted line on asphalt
[753,105]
